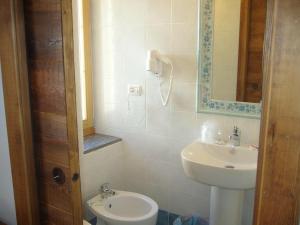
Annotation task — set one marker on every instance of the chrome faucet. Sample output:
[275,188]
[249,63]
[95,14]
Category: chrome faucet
[106,191]
[235,138]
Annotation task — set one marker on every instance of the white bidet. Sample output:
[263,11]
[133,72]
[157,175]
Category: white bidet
[124,208]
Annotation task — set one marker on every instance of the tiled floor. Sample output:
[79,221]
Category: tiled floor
[164,218]
[93,221]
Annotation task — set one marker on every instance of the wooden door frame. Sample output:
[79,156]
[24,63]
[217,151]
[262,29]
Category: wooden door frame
[70,88]
[265,112]
[277,200]
[17,108]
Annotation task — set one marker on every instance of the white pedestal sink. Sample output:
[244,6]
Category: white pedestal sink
[229,170]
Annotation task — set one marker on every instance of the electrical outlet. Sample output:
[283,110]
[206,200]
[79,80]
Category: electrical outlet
[134,90]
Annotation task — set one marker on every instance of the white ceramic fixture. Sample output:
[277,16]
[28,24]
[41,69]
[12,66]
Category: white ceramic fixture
[229,170]
[86,222]
[124,208]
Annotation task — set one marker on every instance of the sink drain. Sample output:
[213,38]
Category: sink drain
[229,167]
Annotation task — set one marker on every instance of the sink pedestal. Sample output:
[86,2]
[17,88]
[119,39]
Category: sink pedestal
[226,206]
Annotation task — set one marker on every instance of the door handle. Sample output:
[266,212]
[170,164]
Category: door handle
[75,177]
[58,176]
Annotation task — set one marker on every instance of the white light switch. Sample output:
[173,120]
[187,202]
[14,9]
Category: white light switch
[135,90]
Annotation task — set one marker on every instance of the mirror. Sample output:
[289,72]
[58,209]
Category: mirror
[231,37]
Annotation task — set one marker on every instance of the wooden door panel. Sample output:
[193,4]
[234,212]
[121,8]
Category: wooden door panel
[53,151]
[49,95]
[52,85]
[50,126]
[51,215]
[56,196]
[45,40]
[278,182]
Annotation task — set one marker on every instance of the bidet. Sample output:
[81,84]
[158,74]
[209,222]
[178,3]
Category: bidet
[124,208]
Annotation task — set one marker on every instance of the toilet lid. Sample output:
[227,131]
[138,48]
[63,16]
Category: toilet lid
[86,222]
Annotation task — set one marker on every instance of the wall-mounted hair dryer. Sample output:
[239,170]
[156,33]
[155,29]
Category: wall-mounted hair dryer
[156,61]
[155,64]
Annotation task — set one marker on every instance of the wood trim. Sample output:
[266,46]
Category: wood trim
[88,131]
[70,88]
[89,122]
[17,107]
[243,49]
[278,181]
[266,110]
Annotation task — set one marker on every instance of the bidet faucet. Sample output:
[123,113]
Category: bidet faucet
[235,138]
[106,191]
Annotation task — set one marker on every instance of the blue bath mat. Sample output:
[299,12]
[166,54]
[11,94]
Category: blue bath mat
[190,220]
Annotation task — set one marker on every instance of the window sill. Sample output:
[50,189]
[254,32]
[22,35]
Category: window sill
[98,141]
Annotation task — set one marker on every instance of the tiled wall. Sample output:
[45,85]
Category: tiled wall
[153,135]
[98,167]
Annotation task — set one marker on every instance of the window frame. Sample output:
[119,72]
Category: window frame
[88,123]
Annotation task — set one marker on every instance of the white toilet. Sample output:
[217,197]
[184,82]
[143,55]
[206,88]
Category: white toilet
[124,208]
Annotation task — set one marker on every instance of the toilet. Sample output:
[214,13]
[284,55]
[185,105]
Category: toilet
[124,208]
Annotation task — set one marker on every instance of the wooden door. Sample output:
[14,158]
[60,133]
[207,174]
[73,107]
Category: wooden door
[49,40]
[278,182]
[17,108]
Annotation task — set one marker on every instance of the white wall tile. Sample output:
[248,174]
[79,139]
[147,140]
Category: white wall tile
[158,148]
[113,90]
[184,11]
[158,121]
[184,38]
[183,97]
[158,11]
[158,193]
[159,37]
[181,203]
[183,125]
[248,126]
[133,12]
[185,67]
[99,167]
[109,63]
[211,124]
[110,12]
[135,117]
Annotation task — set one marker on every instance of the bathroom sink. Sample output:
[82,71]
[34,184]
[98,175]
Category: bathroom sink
[221,165]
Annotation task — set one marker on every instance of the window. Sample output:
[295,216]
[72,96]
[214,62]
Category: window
[85,66]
